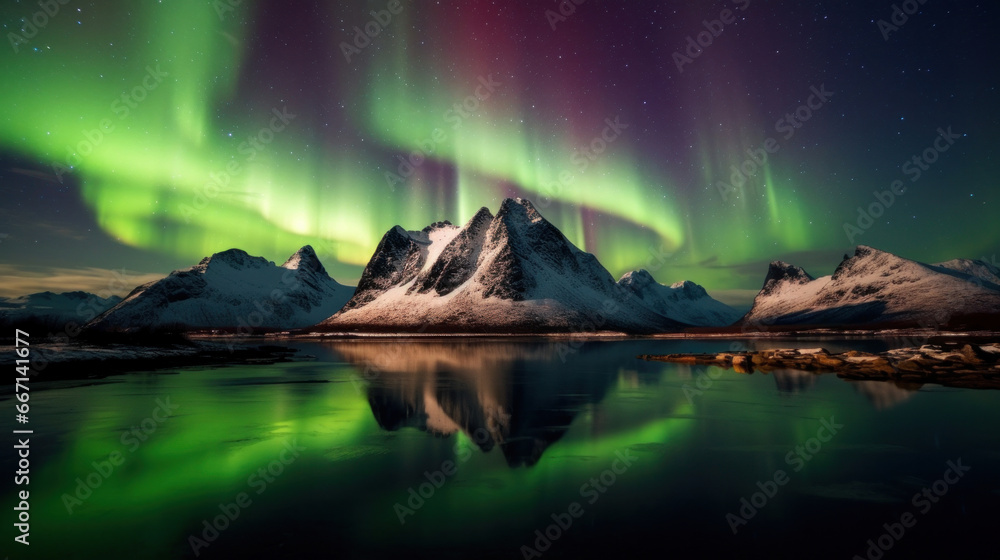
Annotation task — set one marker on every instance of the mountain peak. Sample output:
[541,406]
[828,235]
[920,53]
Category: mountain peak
[437,226]
[780,273]
[482,216]
[235,258]
[689,289]
[866,251]
[520,209]
[868,258]
[639,278]
[512,272]
[874,287]
[225,290]
[305,259]
[685,301]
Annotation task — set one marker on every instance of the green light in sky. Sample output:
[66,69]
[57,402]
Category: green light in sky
[165,167]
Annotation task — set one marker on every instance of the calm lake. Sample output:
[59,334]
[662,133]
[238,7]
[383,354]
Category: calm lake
[501,448]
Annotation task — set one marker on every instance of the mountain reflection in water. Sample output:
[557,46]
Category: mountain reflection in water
[482,389]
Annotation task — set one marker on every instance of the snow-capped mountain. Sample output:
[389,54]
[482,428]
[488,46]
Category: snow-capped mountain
[977,269]
[513,272]
[872,287]
[231,290]
[55,309]
[685,302]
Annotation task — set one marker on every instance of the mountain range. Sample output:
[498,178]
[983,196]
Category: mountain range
[878,288]
[510,273]
[515,272]
[685,301]
[54,310]
[229,291]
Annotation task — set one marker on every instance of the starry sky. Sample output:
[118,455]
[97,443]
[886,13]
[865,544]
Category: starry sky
[697,139]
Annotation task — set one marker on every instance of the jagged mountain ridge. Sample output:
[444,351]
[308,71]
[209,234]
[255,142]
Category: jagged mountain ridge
[685,301]
[231,290]
[513,272]
[975,268]
[871,287]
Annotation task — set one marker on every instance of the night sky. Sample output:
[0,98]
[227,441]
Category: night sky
[143,136]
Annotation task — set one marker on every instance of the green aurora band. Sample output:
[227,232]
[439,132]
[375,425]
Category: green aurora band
[160,176]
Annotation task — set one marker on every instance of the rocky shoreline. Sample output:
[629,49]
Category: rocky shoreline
[950,364]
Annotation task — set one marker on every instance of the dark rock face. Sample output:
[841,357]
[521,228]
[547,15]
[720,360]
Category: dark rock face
[457,262]
[306,260]
[779,273]
[396,259]
[511,280]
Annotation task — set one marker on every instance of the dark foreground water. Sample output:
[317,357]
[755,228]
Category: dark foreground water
[508,449]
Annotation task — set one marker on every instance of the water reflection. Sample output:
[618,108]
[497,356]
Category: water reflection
[885,394]
[702,438]
[794,381]
[484,390]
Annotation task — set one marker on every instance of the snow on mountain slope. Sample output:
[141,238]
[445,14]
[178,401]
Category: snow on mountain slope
[686,302]
[871,287]
[977,269]
[513,272]
[231,290]
[48,307]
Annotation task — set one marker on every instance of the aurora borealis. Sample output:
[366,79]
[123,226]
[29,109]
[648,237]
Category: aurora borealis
[144,136]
